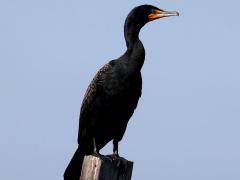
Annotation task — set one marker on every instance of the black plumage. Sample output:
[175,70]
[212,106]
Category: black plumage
[113,94]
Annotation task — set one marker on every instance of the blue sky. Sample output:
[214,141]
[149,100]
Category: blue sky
[187,123]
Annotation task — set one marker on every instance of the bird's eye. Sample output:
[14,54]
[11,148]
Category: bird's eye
[153,11]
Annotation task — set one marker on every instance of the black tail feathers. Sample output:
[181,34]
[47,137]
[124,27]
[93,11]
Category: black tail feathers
[73,170]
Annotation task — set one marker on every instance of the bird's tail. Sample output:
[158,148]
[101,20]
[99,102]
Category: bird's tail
[73,170]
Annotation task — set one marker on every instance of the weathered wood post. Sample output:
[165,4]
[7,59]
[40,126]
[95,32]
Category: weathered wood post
[94,168]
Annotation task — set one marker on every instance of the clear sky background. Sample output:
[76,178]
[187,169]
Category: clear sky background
[186,126]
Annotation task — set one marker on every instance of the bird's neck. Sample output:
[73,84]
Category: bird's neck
[131,35]
[135,49]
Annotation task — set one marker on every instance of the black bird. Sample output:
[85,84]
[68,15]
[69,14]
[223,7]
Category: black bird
[113,94]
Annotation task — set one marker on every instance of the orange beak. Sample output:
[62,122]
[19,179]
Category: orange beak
[156,14]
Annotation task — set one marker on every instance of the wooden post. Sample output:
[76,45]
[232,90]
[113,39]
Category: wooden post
[94,168]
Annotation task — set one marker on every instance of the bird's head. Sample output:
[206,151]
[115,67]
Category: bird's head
[143,14]
[139,16]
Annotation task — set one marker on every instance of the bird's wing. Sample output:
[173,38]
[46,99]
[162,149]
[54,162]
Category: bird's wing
[93,91]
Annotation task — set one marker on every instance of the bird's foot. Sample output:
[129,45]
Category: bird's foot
[120,162]
[112,157]
[97,154]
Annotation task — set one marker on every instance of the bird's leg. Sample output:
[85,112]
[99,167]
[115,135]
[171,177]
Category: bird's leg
[95,151]
[121,162]
[114,156]
[115,148]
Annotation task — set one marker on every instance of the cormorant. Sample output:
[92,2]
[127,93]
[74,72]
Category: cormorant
[113,94]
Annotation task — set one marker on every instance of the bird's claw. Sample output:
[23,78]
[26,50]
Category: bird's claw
[120,162]
[97,154]
[112,157]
